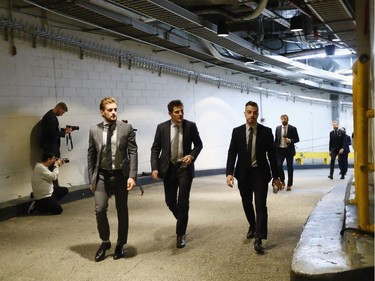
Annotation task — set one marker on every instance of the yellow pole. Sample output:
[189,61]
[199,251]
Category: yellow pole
[362,142]
[355,138]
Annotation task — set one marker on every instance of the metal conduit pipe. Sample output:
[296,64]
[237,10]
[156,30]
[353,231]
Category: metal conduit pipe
[131,58]
[258,11]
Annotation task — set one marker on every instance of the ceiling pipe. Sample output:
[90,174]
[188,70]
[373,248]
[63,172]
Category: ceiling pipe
[258,11]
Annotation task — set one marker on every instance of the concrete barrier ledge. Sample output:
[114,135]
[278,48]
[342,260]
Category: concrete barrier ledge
[321,253]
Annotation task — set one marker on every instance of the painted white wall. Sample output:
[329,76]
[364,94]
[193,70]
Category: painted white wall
[34,80]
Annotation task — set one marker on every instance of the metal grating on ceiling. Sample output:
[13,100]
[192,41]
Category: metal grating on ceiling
[341,22]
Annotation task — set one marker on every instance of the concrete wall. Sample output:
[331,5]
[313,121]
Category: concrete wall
[35,79]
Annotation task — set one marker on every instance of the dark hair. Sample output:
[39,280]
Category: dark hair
[252,103]
[47,155]
[174,103]
[63,106]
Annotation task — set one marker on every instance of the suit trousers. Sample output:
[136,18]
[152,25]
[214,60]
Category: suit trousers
[343,162]
[177,186]
[333,155]
[108,185]
[254,183]
[282,154]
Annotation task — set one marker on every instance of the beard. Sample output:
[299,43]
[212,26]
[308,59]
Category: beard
[111,119]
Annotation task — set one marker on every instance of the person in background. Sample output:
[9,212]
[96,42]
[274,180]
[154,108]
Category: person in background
[343,158]
[286,136]
[46,195]
[253,147]
[51,133]
[172,159]
[112,168]
[336,146]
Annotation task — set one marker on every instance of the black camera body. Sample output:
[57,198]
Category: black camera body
[65,160]
[74,128]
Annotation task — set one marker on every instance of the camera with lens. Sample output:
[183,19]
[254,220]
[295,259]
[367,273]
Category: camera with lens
[74,128]
[65,160]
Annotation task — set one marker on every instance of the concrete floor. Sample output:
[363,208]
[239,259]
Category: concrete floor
[63,247]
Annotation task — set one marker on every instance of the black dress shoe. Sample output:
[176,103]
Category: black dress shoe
[100,254]
[330,177]
[180,241]
[251,233]
[119,252]
[258,246]
[342,177]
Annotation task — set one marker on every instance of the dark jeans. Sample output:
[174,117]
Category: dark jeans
[255,184]
[51,204]
[177,185]
[282,154]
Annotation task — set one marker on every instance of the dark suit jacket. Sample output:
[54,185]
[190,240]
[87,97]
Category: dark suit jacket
[264,148]
[291,134]
[336,142]
[126,149]
[51,133]
[161,148]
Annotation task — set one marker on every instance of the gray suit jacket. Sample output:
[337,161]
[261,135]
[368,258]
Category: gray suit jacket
[126,149]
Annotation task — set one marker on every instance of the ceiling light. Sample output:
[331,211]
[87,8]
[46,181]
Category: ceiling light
[296,24]
[222,29]
[249,61]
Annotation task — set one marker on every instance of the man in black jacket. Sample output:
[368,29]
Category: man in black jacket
[286,136]
[336,145]
[253,146]
[172,159]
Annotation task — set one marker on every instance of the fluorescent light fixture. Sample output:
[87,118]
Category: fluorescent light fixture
[296,23]
[249,62]
[222,29]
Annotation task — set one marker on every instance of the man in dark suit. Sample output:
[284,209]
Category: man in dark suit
[286,136]
[172,159]
[336,145]
[112,168]
[343,158]
[251,144]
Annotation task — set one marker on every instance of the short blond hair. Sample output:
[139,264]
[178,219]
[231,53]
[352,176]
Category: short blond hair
[106,101]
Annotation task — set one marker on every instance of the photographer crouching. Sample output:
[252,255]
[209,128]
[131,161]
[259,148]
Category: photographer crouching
[45,194]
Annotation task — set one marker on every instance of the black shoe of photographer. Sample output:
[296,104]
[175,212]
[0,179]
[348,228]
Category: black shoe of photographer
[100,253]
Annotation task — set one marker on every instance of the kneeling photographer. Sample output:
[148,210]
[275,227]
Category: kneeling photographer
[45,193]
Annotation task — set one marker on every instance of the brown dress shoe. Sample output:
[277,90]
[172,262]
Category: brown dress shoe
[289,188]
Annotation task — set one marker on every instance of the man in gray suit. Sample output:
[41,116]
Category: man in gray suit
[112,166]
[172,158]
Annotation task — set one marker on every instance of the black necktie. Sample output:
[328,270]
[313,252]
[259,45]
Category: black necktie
[108,146]
[250,144]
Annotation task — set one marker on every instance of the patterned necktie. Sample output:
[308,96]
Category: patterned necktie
[250,144]
[175,142]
